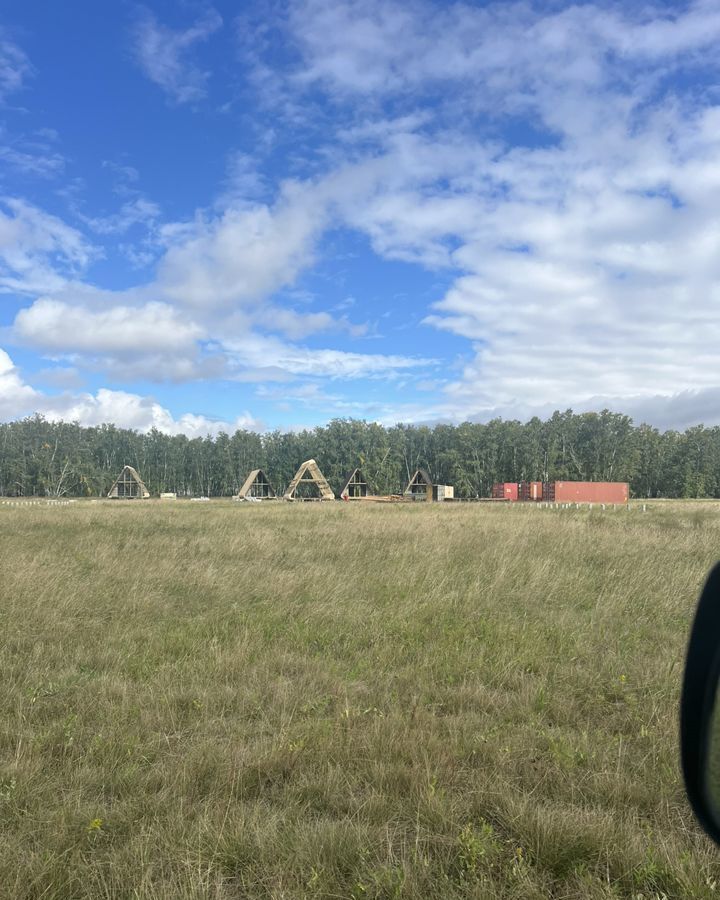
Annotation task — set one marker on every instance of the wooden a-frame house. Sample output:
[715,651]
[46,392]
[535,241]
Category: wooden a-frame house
[128,486]
[420,486]
[355,487]
[309,480]
[257,487]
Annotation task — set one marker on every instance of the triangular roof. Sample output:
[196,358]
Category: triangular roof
[143,491]
[421,476]
[252,478]
[355,477]
[309,473]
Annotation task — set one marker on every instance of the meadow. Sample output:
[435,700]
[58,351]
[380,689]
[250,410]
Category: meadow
[347,701]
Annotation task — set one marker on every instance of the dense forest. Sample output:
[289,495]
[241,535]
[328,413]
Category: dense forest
[38,457]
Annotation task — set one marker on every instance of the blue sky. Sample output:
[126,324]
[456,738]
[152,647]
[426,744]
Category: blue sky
[215,217]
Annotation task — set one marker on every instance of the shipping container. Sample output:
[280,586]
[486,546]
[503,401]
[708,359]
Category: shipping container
[505,490]
[530,490]
[610,492]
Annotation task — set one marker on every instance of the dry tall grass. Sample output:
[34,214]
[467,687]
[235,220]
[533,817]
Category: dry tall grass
[276,701]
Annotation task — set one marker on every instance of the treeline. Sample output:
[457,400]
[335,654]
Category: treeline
[41,458]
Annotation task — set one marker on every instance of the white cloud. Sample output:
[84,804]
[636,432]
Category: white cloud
[588,251]
[161,366]
[15,67]
[122,334]
[214,284]
[536,156]
[16,397]
[31,157]
[383,130]
[56,326]
[38,251]
[292,324]
[669,33]
[124,409]
[254,351]
[154,341]
[243,181]
[137,211]
[663,411]
[612,289]
[127,410]
[162,52]
[390,47]
[243,256]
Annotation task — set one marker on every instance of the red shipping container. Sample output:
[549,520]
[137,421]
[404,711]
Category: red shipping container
[531,490]
[586,492]
[505,490]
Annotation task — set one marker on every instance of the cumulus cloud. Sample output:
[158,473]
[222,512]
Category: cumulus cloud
[541,158]
[129,410]
[601,280]
[586,245]
[16,397]
[123,335]
[60,327]
[125,409]
[164,55]
[38,251]
[155,341]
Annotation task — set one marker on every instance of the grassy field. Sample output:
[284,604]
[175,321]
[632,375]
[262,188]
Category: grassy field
[333,701]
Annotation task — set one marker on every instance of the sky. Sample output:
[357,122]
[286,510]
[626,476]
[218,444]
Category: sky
[265,216]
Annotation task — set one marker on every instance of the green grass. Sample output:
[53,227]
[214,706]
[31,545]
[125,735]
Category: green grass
[342,701]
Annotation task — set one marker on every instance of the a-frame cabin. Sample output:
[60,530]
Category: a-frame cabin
[355,487]
[420,486]
[309,483]
[128,486]
[257,487]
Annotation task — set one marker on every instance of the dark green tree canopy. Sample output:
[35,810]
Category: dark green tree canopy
[44,458]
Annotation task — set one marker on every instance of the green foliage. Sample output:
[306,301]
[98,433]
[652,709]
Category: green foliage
[478,847]
[44,458]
